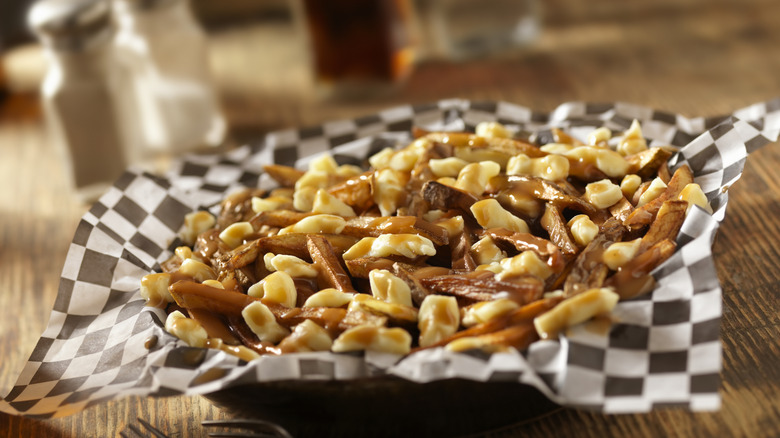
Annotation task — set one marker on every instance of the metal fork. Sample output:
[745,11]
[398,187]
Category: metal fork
[255,429]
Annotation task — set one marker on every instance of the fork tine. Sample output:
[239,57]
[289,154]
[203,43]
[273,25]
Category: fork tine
[266,429]
[154,431]
[135,430]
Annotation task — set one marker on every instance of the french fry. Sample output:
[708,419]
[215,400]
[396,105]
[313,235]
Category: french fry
[483,286]
[295,244]
[621,210]
[588,270]
[360,267]
[552,221]
[666,225]
[286,176]
[277,218]
[634,278]
[443,197]
[356,192]
[327,262]
[646,163]
[644,215]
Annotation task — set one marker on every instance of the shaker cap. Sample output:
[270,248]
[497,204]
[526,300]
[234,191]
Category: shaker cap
[64,23]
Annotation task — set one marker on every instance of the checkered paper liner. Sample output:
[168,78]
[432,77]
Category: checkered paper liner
[663,348]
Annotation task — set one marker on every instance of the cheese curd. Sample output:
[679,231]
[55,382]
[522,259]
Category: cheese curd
[582,229]
[277,287]
[196,223]
[574,310]
[318,223]
[186,329]
[603,194]
[632,142]
[387,287]
[262,322]
[329,297]
[407,245]
[438,319]
[620,253]
[653,191]
[525,263]
[234,234]
[490,214]
[486,311]
[289,264]
[325,203]
[366,337]
[693,194]
[475,176]
[154,289]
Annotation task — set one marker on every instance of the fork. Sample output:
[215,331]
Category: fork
[256,429]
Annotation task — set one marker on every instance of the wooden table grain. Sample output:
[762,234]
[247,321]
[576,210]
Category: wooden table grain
[694,57]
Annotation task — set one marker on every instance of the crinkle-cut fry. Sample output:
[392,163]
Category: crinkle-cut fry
[508,146]
[621,210]
[666,225]
[286,176]
[360,267]
[443,197]
[552,221]
[366,226]
[588,270]
[327,262]
[543,190]
[357,192]
[483,286]
[277,218]
[295,244]
[647,162]
[517,336]
[645,214]
[214,324]
[634,279]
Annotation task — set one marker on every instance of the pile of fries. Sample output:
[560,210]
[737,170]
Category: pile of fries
[459,240]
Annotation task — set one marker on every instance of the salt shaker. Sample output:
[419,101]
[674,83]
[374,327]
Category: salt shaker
[79,92]
[164,50]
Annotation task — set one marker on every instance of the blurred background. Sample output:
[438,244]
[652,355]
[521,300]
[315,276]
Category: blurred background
[671,54]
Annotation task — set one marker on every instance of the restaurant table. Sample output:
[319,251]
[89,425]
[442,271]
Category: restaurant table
[694,57]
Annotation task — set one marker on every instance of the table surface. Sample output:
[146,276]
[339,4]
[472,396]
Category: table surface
[694,57]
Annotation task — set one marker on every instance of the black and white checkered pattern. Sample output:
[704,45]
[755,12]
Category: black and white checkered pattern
[661,350]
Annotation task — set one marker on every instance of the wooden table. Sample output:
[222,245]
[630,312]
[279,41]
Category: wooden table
[694,57]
